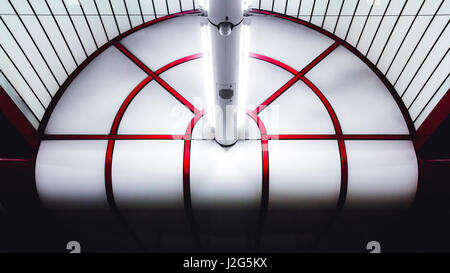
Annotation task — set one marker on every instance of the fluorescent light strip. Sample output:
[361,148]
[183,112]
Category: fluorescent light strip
[208,74]
[243,73]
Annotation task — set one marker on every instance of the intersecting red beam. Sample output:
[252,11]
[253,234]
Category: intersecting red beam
[141,85]
[358,54]
[94,55]
[156,77]
[112,137]
[297,76]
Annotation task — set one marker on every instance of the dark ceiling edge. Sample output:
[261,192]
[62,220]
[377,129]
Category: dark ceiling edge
[437,116]
[18,119]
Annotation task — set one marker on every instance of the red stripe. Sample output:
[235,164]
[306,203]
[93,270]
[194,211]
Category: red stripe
[156,77]
[340,139]
[388,86]
[326,103]
[179,61]
[141,85]
[108,175]
[77,71]
[186,177]
[344,137]
[124,106]
[110,147]
[265,137]
[298,21]
[259,122]
[114,128]
[265,175]
[113,137]
[344,177]
[17,162]
[296,77]
[273,61]
[194,121]
[380,75]
[157,20]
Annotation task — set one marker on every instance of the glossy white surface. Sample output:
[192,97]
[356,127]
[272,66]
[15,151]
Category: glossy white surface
[148,184]
[362,103]
[381,173]
[225,186]
[71,173]
[296,45]
[155,111]
[163,42]
[190,85]
[304,174]
[147,173]
[226,177]
[264,79]
[248,130]
[297,111]
[92,100]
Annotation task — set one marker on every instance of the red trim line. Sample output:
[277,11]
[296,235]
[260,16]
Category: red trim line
[265,137]
[298,21]
[344,137]
[124,106]
[157,20]
[341,144]
[333,116]
[19,162]
[91,57]
[437,161]
[273,61]
[186,178]
[110,146]
[297,76]
[18,120]
[179,61]
[156,77]
[388,86]
[380,75]
[440,112]
[258,121]
[265,175]
[115,126]
[108,175]
[326,103]
[138,89]
[113,137]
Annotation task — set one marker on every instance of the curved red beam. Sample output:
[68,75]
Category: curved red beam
[186,178]
[91,57]
[296,77]
[358,54]
[155,76]
[264,207]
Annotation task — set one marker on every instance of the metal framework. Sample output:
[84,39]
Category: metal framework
[265,145]
[419,102]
